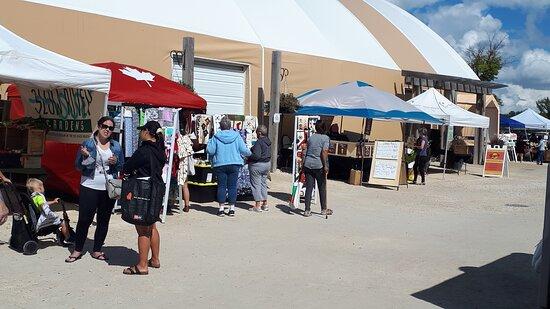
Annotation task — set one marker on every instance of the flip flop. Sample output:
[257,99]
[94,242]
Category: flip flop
[150,264]
[100,257]
[72,259]
[133,270]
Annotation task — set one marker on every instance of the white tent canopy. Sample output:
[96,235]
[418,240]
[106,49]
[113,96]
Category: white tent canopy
[22,62]
[433,103]
[532,120]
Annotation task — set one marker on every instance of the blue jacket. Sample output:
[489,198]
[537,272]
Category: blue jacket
[88,168]
[227,148]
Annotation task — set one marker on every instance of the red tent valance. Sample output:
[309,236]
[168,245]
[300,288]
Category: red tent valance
[130,84]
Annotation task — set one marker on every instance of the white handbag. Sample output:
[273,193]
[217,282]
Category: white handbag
[113,186]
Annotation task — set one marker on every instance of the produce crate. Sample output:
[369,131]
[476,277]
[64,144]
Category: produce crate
[29,161]
[26,141]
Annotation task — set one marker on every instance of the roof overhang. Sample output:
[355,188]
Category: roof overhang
[449,82]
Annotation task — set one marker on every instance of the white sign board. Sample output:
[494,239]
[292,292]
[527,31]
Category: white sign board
[386,163]
[385,169]
[387,150]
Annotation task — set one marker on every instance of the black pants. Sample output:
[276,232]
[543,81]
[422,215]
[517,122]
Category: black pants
[318,175]
[91,202]
[421,166]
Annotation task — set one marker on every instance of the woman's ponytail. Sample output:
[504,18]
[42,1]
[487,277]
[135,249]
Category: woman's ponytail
[159,135]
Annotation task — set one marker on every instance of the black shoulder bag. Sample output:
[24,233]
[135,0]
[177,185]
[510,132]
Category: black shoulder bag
[141,199]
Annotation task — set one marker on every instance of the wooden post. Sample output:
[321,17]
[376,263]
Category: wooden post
[261,106]
[478,139]
[188,66]
[545,262]
[483,132]
[275,97]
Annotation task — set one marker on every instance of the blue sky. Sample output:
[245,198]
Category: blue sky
[525,26]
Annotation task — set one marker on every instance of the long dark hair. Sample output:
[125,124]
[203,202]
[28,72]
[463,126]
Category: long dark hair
[159,136]
[101,121]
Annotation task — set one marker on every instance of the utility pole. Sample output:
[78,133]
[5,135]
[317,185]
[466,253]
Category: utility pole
[275,97]
[188,61]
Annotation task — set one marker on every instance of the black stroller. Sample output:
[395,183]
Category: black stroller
[24,236]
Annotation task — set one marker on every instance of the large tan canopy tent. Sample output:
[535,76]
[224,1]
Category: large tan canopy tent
[323,42]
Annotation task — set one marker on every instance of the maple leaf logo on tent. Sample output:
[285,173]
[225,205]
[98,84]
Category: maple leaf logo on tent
[137,75]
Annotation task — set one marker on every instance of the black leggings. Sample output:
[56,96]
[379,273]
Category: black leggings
[318,175]
[90,202]
[421,166]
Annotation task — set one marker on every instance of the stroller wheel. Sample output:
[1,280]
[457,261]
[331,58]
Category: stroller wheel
[30,247]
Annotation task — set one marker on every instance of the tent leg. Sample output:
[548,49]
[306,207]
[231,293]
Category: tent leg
[362,145]
[445,157]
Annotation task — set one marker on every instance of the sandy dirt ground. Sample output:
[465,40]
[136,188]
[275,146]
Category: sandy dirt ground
[462,242]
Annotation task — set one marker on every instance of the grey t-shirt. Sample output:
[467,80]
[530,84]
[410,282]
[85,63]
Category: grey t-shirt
[315,145]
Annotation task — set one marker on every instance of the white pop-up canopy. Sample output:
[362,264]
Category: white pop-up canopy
[532,120]
[433,103]
[25,63]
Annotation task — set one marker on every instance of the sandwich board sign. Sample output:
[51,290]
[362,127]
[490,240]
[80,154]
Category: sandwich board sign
[386,163]
[497,162]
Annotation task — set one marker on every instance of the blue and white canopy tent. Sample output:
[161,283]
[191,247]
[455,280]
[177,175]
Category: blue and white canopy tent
[509,123]
[532,120]
[359,99]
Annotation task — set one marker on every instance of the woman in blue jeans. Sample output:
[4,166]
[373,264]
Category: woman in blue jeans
[227,150]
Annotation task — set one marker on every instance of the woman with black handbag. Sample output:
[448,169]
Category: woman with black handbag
[99,159]
[147,161]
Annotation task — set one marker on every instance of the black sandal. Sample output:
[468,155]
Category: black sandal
[100,257]
[150,264]
[133,270]
[72,259]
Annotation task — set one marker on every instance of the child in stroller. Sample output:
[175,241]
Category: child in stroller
[44,220]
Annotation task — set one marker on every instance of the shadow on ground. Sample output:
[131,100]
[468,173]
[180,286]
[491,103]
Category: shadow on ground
[286,209]
[508,282]
[121,256]
[283,196]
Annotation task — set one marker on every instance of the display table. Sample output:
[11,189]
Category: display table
[204,176]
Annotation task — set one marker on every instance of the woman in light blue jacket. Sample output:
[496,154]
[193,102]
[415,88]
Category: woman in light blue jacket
[227,150]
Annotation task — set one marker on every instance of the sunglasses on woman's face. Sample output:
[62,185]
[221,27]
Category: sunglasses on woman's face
[105,127]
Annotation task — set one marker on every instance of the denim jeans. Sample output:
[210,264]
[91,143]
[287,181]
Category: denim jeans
[227,183]
[540,156]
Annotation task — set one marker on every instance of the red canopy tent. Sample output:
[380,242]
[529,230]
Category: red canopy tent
[129,84]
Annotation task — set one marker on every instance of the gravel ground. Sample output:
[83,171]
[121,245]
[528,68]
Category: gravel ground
[462,242]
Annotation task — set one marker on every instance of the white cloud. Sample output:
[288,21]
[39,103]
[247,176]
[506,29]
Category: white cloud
[532,71]
[413,4]
[515,3]
[517,98]
[463,25]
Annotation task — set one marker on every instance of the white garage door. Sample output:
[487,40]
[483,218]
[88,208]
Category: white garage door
[221,85]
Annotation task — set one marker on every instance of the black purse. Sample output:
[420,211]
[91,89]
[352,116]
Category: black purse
[141,199]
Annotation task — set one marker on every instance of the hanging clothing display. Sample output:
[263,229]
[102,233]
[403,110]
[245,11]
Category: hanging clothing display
[185,154]
[250,125]
[217,119]
[243,182]
[203,128]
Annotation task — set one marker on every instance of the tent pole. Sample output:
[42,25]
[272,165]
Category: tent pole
[446,150]
[362,145]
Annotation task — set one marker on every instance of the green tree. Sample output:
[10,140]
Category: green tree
[544,107]
[486,58]
[512,114]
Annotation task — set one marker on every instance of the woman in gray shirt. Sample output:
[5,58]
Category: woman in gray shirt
[316,168]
